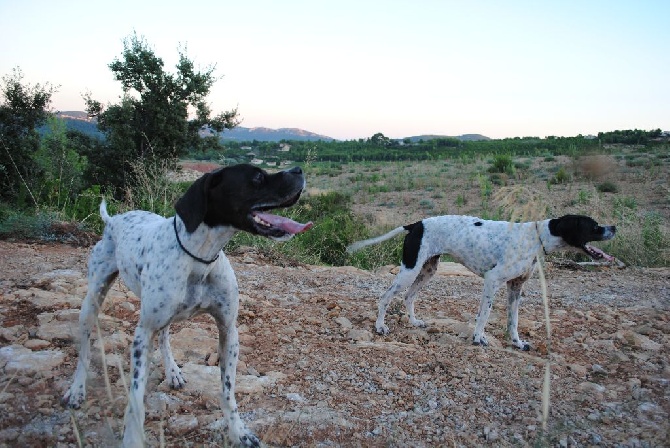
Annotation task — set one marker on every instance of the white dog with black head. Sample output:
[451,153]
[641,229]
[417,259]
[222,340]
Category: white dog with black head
[499,251]
[177,268]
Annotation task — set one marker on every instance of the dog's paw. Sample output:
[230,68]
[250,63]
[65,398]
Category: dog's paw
[73,400]
[175,379]
[521,345]
[481,340]
[417,323]
[241,436]
[250,440]
[382,329]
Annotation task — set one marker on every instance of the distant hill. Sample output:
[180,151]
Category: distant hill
[271,135]
[463,138]
[79,121]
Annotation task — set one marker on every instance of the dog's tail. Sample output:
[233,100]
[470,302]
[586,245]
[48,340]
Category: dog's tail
[103,211]
[361,244]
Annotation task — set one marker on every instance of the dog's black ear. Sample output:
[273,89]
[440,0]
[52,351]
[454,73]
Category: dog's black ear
[192,207]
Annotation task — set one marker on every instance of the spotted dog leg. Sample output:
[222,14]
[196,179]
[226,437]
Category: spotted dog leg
[404,278]
[173,374]
[427,271]
[101,275]
[133,435]
[513,301]
[491,285]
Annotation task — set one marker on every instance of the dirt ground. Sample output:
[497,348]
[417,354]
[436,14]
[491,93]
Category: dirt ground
[314,373]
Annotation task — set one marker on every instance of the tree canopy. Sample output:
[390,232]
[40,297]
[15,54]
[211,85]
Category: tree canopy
[161,114]
[23,108]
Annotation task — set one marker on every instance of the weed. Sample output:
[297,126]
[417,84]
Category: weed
[561,176]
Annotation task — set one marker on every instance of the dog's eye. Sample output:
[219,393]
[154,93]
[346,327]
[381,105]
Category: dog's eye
[258,178]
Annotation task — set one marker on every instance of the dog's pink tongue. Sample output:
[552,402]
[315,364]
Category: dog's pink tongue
[286,224]
[599,252]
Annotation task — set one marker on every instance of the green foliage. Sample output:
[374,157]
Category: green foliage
[23,108]
[151,189]
[583,197]
[629,137]
[561,176]
[642,238]
[24,225]
[59,179]
[607,187]
[503,163]
[160,114]
[335,227]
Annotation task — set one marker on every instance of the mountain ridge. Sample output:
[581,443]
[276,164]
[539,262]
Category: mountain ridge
[80,121]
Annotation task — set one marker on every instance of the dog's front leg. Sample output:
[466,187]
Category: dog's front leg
[224,310]
[229,349]
[133,434]
[173,374]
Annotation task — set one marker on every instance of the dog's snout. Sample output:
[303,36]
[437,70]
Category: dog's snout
[295,170]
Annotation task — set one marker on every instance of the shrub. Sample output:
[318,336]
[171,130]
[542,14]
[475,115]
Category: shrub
[561,176]
[502,163]
[335,227]
[608,187]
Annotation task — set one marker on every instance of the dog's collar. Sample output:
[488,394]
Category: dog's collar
[201,260]
[539,237]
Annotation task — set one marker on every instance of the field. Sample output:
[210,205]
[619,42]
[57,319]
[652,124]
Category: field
[312,370]
[625,186]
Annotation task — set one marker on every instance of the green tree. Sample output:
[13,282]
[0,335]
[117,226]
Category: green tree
[161,114]
[60,166]
[23,108]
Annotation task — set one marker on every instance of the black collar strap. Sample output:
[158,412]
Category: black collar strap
[538,237]
[186,250]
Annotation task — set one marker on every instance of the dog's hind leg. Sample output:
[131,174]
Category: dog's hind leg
[513,301]
[491,284]
[427,271]
[404,278]
[102,271]
[173,374]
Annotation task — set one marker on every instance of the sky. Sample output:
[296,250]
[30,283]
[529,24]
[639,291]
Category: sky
[350,69]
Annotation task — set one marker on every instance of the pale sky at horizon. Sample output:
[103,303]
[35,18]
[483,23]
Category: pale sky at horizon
[350,69]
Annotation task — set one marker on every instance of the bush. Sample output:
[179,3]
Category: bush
[608,187]
[561,177]
[502,163]
[335,227]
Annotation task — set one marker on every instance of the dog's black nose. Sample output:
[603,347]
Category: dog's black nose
[295,170]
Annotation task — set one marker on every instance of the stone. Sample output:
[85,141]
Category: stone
[19,360]
[360,335]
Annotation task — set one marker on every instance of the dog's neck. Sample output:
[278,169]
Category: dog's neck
[549,243]
[205,242]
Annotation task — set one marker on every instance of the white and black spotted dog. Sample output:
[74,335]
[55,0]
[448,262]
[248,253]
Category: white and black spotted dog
[177,267]
[499,251]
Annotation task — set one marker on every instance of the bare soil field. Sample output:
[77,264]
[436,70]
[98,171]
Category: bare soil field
[314,373]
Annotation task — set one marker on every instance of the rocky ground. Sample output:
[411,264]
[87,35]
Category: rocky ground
[313,373]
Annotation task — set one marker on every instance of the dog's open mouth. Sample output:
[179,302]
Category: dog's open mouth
[267,222]
[596,254]
[275,226]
